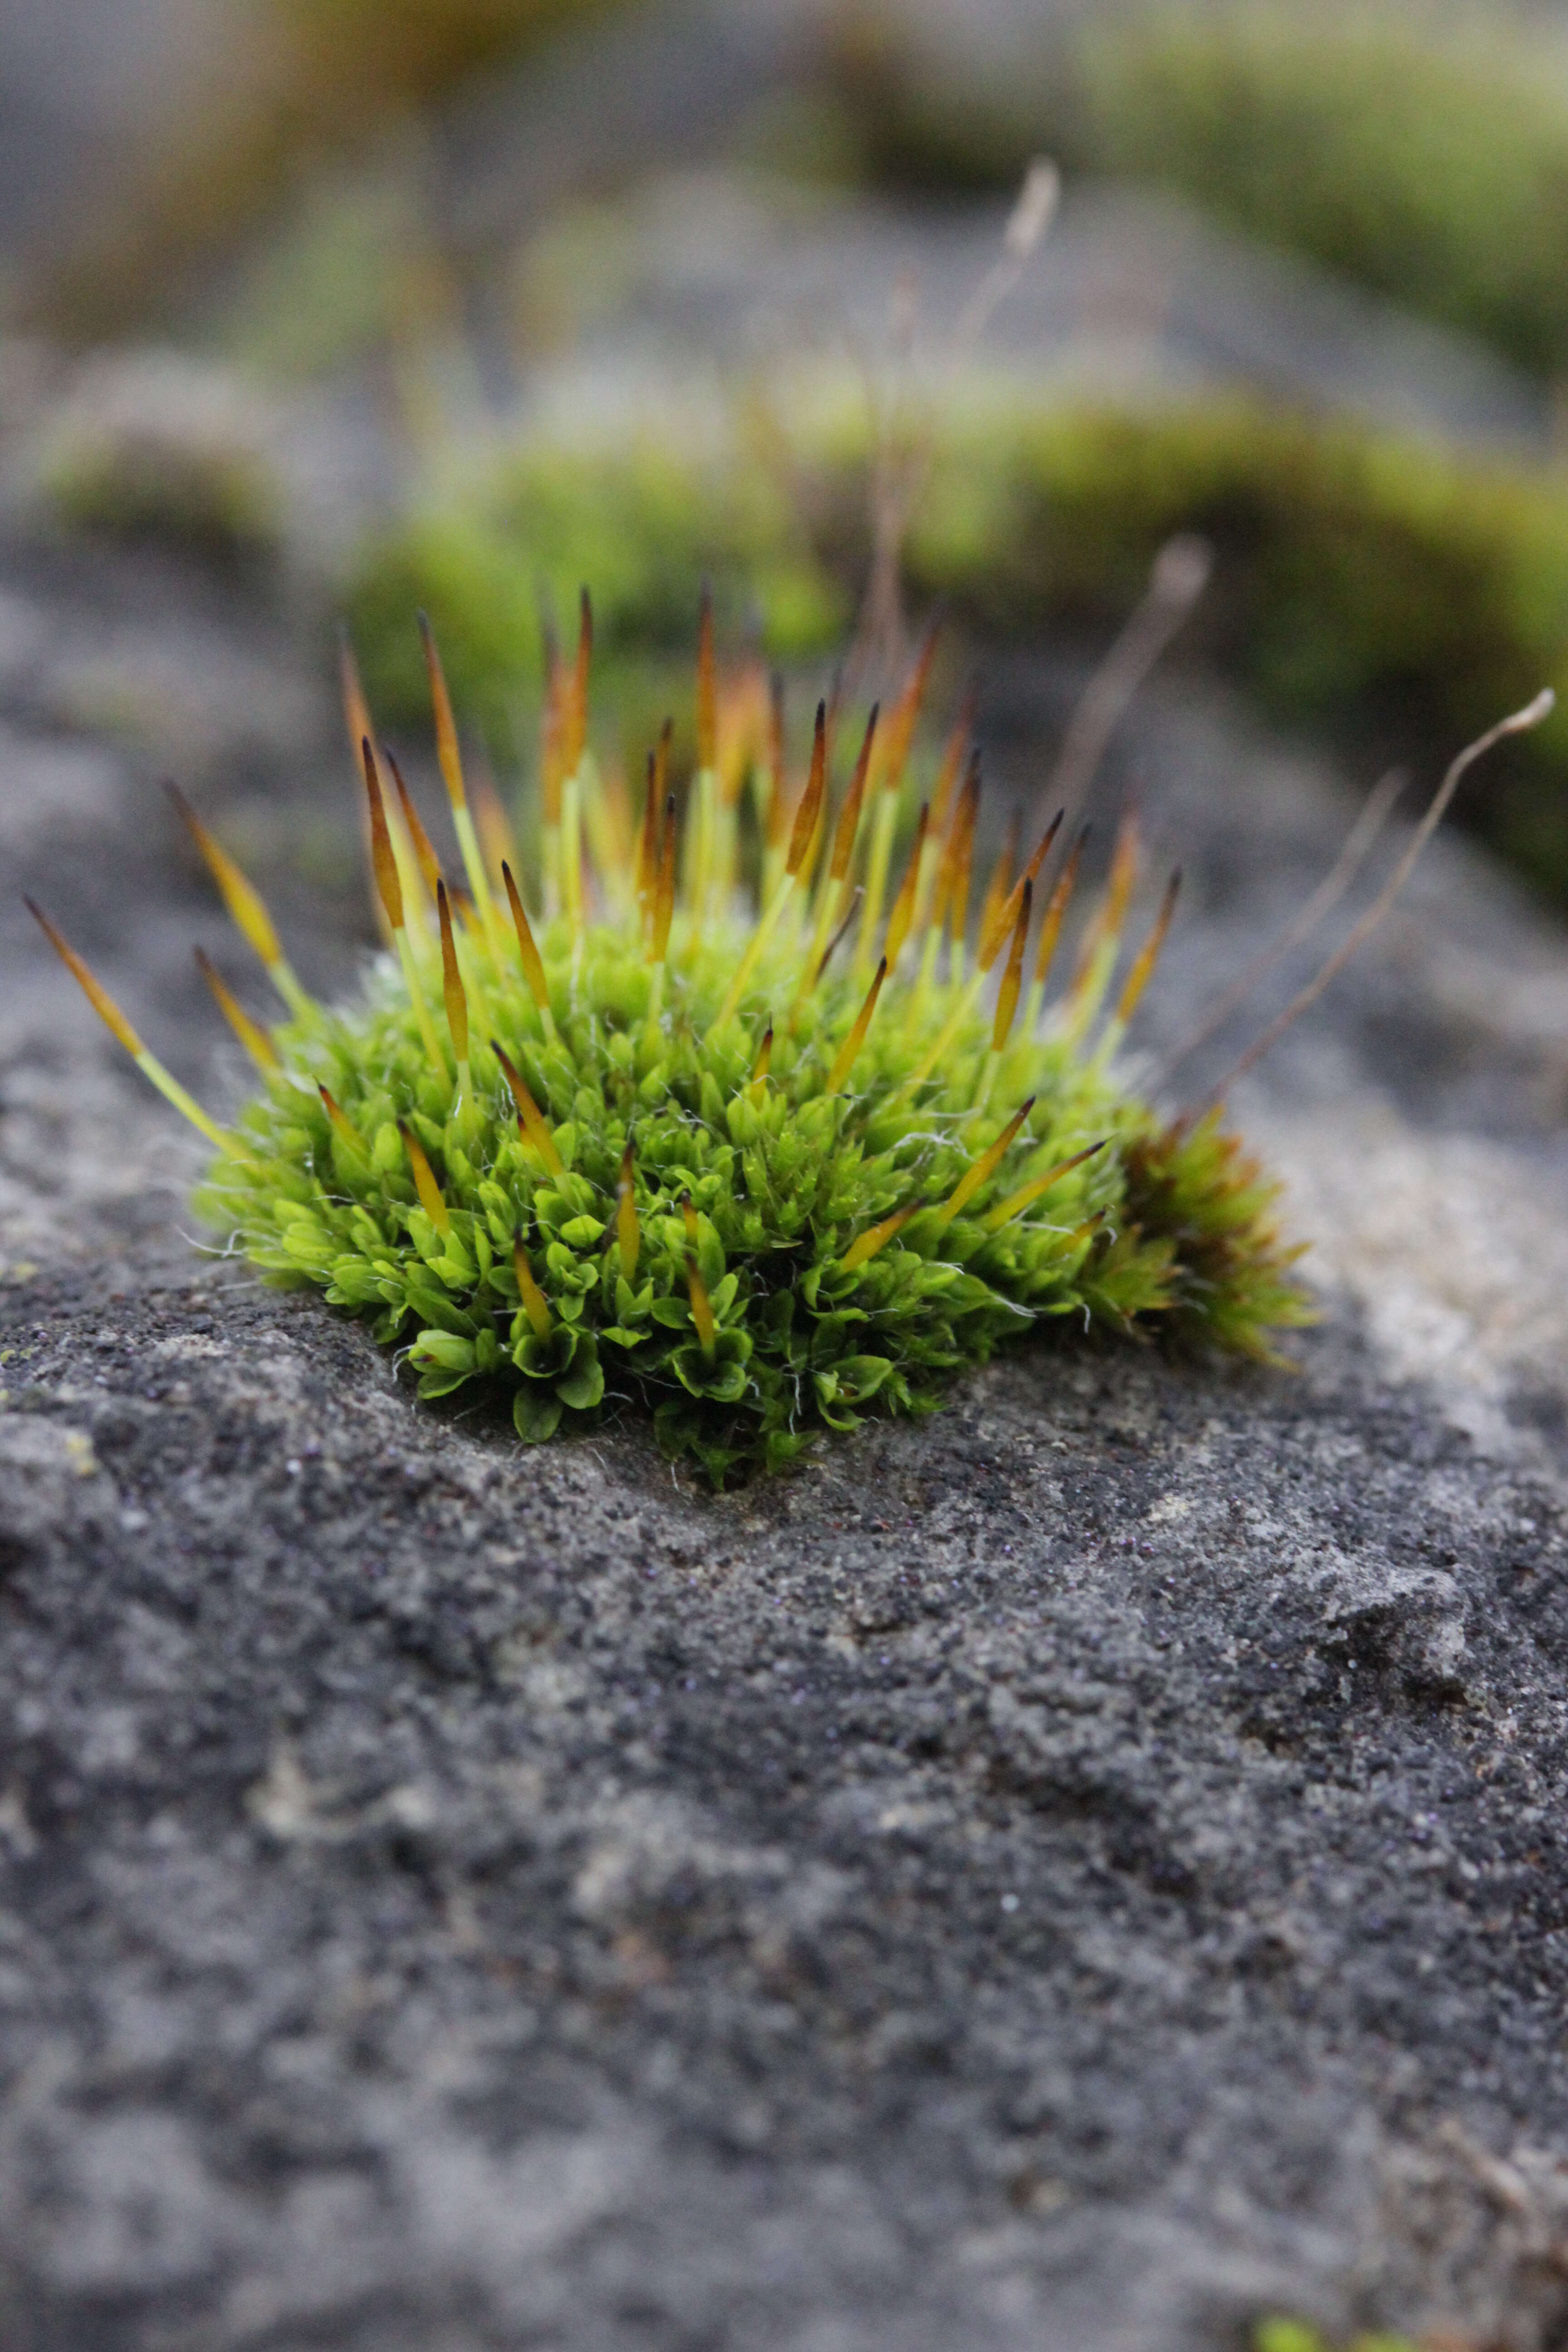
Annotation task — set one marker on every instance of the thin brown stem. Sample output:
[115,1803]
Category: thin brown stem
[1359,842]
[1517,723]
[904,453]
[1179,576]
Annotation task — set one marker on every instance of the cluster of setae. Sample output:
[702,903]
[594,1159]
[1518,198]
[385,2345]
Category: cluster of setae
[748,1119]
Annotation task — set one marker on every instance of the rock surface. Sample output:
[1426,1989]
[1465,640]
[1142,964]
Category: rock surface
[1073,1875]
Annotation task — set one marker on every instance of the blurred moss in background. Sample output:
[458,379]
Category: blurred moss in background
[305,84]
[645,525]
[1367,583]
[337,200]
[1421,153]
[1426,161]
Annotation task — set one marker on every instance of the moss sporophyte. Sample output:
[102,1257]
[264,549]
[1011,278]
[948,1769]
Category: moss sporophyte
[745,1119]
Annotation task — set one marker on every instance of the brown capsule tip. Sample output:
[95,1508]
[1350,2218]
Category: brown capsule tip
[383,864]
[530,1118]
[341,1120]
[1144,964]
[425,1184]
[646,848]
[849,815]
[535,1304]
[851,1046]
[628,1232]
[664,900]
[527,948]
[1007,1000]
[453,990]
[1044,850]
[448,757]
[900,728]
[424,855]
[902,915]
[256,1040]
[98,996]
[810,809]
[701,1307]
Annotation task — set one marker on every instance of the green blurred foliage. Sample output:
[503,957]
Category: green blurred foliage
[1278,2334]
[309,84]
[1422,156]
[152,447]
[411,49]
[1429,163]
[641,529]
[1363,581]
[330,284]
[1362,578]
[222,509]
[1287,2335]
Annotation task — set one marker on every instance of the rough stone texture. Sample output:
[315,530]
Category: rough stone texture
[1073,1875]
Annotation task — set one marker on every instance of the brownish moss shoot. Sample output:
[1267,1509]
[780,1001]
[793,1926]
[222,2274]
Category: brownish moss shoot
[531,1121]
[255,1039]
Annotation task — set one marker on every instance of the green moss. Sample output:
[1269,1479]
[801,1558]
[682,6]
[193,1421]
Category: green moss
[306,83]
[412,49]
[665,1149]
[330,284]
[151,448]
[219,507]
[1279,2335]
[753,1193]
[1361,578]
[1364,579]
[1423,159]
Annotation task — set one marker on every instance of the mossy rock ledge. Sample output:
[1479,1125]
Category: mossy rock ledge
[1086,1870]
